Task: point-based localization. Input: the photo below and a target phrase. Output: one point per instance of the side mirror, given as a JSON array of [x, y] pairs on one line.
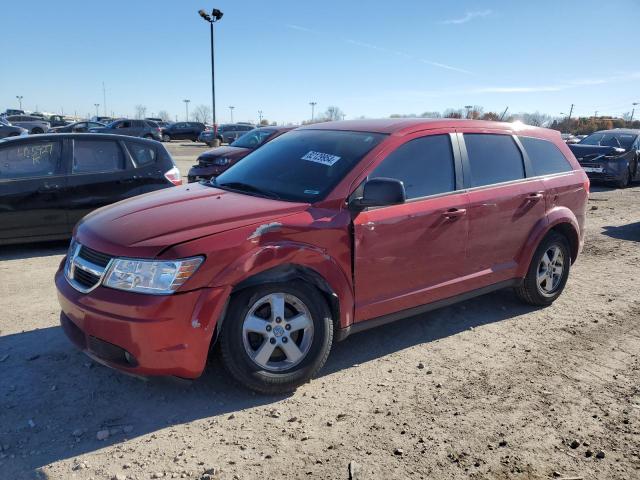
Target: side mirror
[[380, 192]]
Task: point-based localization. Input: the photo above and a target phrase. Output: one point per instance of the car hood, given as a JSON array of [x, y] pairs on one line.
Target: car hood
[[590, 152], [229, 152], [146, 225]]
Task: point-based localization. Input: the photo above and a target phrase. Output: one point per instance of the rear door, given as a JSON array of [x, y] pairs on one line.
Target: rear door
[[504, 205], [414, 253], [32, 188], [100, 174]]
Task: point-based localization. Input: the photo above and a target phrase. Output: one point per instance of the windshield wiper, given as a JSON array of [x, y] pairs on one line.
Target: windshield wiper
[[245, 188]]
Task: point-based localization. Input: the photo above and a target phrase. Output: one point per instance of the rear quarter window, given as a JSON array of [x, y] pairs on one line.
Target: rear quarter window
[[545, 157], [143, 155], [493, 158], [93, 156]]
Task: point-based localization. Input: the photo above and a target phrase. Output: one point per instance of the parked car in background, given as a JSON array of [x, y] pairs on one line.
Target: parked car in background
[[32, 124], [58, 121], [132, 128], [215, 161], [610, 156], [13, 111], [182, 131], [225, 133], [569, 138], [99, 119], [49, 182], [328, 230], [77, 127], [8, 130]]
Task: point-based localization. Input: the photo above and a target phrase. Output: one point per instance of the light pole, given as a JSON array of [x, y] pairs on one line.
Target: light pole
[[260, 116], [186, 105], [215, 16], [313, 106], [633, 110], [231, 107], [20, 97], [96, 105]]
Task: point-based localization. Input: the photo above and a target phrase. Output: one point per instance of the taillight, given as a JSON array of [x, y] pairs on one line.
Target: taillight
[[174, 176], [587, 185]]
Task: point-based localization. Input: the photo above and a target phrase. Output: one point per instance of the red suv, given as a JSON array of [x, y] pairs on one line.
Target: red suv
[[325, 231]]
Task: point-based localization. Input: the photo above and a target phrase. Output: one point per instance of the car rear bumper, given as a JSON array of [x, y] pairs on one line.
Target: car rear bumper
[[197, 173], [142, 334]]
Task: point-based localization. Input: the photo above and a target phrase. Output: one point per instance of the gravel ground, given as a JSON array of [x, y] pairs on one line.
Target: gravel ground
[[486, 389]]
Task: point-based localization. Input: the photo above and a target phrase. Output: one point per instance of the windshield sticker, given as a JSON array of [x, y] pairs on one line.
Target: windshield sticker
[[312, 192], [322, 158]]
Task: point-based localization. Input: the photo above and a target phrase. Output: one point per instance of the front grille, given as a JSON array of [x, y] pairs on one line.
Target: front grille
[[84, 278], [94, 257], [86, 267]]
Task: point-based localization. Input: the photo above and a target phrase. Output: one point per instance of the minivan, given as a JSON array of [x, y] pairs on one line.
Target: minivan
[[325, 231], [49, 182]]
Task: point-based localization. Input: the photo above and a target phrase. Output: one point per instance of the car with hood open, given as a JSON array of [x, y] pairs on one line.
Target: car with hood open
[[610, 156], [215, 161], [325, 231]]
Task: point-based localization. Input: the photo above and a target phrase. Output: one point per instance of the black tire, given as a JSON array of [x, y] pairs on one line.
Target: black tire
[[240, 365], [37, 131], [166, 137], [529, 291], [147, 136], [625, 181]]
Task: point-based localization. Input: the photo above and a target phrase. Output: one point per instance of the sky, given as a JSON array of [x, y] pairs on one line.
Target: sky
[[372, 59]]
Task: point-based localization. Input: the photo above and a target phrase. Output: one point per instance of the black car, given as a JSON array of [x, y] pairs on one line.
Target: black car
[[132, 128], [182, 131], [77, 127], [610, 156], [49, 182], [8, 130]]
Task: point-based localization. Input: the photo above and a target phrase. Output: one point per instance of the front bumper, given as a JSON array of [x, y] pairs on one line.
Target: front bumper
[[142, 334], [197, 172]]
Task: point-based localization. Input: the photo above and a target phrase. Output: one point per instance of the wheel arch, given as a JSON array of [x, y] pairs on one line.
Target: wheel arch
[[561, 220]]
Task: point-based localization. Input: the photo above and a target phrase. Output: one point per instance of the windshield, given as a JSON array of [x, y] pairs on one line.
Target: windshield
[[619, 140], [4, 122], [253, 139], [301, 165]]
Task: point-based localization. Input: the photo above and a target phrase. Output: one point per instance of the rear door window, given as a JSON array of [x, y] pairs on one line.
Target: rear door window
[[29, 160], [142, 154], [545, 157], [424, 165], [493, 159], [91, 156]]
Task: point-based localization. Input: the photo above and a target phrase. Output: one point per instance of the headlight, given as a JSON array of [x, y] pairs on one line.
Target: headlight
[[222, 161], [160, 277]]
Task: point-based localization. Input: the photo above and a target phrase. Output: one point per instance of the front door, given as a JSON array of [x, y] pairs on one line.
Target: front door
[[32, 184], [414, 253]]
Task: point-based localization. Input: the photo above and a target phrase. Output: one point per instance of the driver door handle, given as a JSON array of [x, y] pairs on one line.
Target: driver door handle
[[535, 196], [454, 213]]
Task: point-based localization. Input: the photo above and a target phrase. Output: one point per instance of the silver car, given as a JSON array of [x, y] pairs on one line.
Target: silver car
[[31, 123]]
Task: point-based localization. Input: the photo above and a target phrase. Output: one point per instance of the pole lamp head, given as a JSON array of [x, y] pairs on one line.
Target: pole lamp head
[[216, 14], [204, 15]]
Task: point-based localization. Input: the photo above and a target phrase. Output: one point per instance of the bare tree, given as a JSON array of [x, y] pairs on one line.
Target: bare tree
[[264, 122], [333, 113], [431, 115], [451, 113], [141, 111], [202, 113], [536, 119], [164, 115]]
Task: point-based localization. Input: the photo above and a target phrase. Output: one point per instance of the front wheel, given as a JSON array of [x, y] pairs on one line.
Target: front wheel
[[166, 138], [276, 337], [625, 181], [548, 272]]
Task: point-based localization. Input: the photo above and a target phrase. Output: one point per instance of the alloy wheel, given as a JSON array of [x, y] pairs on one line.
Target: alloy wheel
[[277, 332], [550, 270]]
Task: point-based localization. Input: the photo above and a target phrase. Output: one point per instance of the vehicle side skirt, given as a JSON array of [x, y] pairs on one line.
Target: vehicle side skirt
[[343, 333]]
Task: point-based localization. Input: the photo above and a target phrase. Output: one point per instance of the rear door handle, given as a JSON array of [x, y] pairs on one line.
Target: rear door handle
[[47, 187], [453, 213], [535, 196]]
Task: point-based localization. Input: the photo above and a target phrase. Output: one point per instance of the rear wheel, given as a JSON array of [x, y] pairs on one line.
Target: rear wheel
[[548, 272], [166, 138], [276, 337]]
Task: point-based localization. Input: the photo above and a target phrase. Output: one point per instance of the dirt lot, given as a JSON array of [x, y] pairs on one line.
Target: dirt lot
[[485, 389]]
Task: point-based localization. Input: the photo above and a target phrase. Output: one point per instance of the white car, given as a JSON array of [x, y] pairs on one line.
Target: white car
[[31, 123]]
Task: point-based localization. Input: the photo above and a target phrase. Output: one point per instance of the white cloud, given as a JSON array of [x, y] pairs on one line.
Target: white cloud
[[467, 17]]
